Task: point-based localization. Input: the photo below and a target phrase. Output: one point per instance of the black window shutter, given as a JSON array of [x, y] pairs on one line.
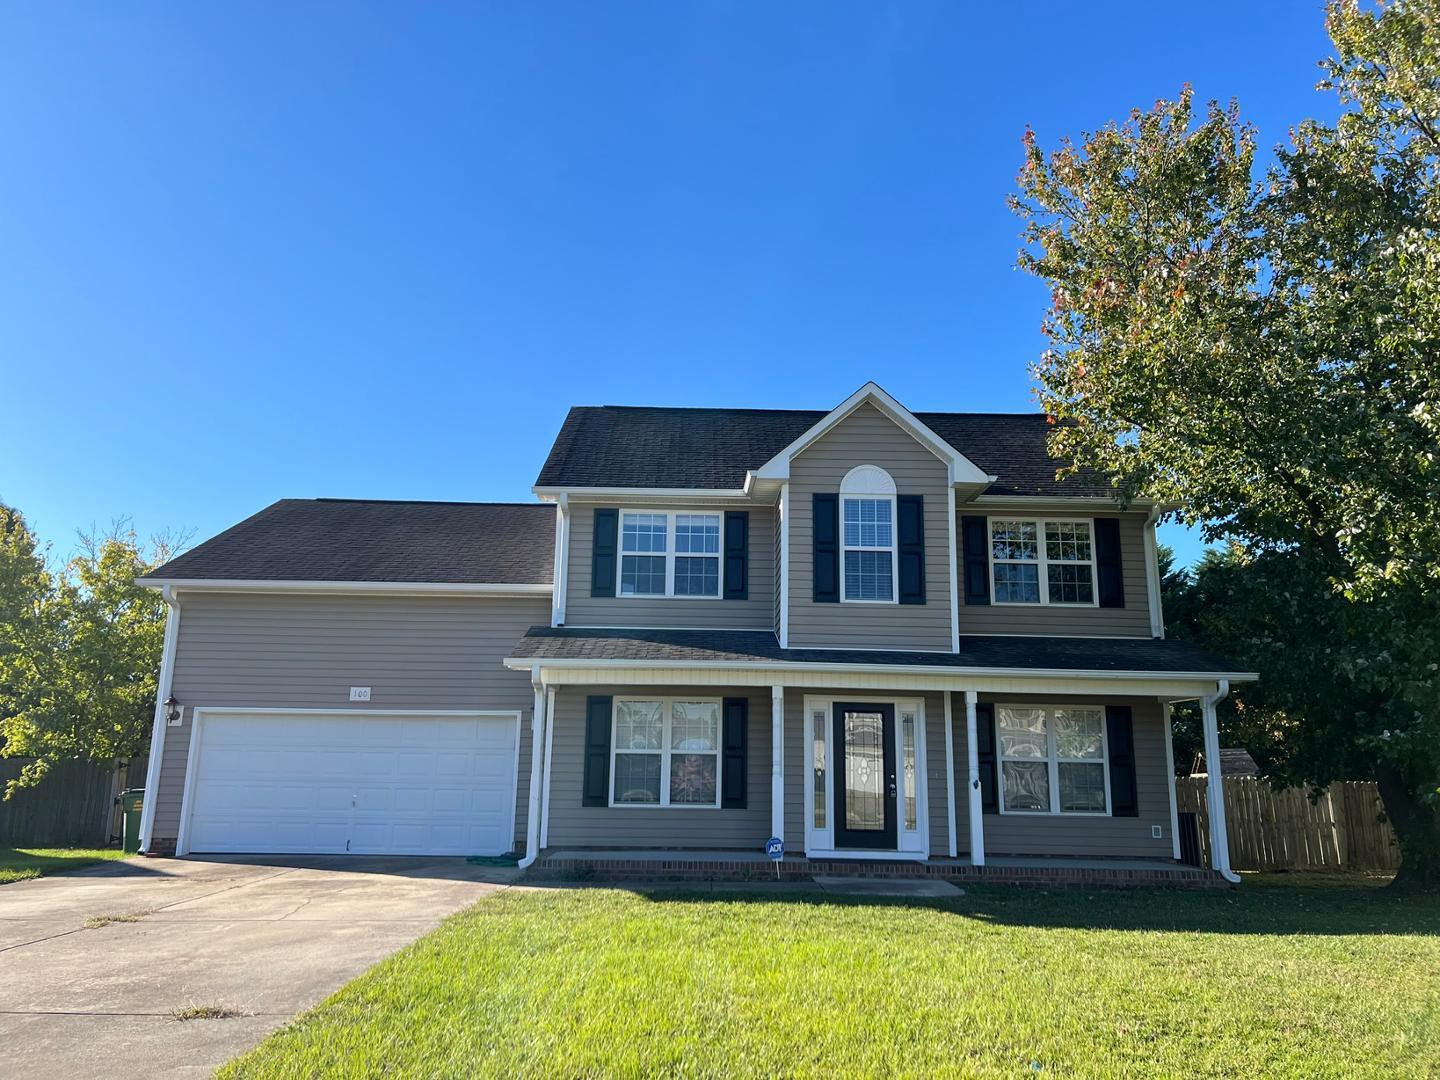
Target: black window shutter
[[1109, 580], [602, 552], [597, 750], [973, 545], [737, 717], [825, 545], [1120, 735], [910, 510], [985, 752], [737, 555]]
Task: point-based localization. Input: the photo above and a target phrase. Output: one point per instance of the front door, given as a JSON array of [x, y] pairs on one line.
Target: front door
[[865, 768]]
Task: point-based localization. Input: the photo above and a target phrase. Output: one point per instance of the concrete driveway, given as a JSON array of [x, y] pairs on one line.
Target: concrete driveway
[[263, 938]]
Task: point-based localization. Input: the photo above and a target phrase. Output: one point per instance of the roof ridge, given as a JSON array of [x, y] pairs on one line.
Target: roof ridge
[[797, 412], [422, 502]]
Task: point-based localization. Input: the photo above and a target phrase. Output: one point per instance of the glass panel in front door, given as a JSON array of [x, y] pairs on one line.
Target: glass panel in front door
[[864, 780]]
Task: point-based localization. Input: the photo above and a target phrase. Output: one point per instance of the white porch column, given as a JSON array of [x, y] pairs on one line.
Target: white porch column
[[950, 772], [1170, 773], [777, 761], [545, 775], [972, 753], [537, 754], [1214, 785]]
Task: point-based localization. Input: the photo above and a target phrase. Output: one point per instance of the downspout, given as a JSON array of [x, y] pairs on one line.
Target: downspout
[[157, 729], [560, 576], [1214, 784], [537, 743], [1152, 575]]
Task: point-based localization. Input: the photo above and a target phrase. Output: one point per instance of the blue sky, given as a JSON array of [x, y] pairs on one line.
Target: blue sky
[[264, 250]]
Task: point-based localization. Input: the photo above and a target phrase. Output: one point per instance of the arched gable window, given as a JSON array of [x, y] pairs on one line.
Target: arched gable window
[[867, 536]]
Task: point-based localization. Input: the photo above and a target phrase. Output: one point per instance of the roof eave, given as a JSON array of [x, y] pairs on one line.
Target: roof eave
[[519, 663], [394, 588], [549, 493]]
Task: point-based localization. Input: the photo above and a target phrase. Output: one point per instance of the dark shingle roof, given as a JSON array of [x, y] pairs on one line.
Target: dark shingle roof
[[625, 446], [378, 541], [757, 646]]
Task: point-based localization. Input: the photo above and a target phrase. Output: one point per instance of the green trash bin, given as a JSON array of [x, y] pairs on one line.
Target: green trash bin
[[132, 801]]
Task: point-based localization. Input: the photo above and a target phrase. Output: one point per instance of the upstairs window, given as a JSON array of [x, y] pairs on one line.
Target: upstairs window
[[867, 526], [1042, 561], [669, 553]]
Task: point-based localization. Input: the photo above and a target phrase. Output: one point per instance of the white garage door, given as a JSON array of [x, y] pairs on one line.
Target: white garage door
[[362, 784]]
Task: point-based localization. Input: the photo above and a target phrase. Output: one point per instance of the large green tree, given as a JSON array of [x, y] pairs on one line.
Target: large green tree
[[79, 649], [1262, 349]]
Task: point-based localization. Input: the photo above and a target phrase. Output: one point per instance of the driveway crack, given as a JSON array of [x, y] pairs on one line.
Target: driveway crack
[[162, 907]]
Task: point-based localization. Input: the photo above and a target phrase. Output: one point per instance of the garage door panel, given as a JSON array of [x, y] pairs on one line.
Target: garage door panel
[[306, 783]]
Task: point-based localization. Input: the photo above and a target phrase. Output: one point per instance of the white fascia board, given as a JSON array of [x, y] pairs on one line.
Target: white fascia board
[[851, 680], [549, 493], [527, 663], [962, 470], [397, 588], [1034, 503]]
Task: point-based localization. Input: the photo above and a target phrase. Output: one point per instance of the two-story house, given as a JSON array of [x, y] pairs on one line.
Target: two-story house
[[871, 633]]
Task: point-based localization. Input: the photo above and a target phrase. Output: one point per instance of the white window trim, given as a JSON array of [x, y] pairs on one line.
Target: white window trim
[[1054, 761], [910, 843], [670, 555], [1043, 563], [894, 548], [665, 752]]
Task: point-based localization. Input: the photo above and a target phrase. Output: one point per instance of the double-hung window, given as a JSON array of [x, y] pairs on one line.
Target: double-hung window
[[665, 752], [669, 553], [1053, 760], [1042, 561], [869, 541]]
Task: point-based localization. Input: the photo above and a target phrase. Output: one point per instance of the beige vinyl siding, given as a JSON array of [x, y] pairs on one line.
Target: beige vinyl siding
[[1081, 835], [305, 652], [775, 576], [753, 613], [575, 825], [868, 437], [1133, 620]]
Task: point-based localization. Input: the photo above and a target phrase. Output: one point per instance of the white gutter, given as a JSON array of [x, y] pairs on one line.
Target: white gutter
[[526, 663], [537, 742], [1214, 785], [548, 493], [157, 729], [396, 588], [1072, 502]]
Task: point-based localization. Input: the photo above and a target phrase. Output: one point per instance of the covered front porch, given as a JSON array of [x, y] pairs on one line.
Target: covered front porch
[[653, 767]]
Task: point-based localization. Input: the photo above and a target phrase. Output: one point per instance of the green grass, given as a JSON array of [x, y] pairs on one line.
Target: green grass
[[21, 864], [1275, 980]]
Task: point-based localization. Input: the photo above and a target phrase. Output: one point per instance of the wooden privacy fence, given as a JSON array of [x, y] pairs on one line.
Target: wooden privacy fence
[[1284, 830], [74, 806]]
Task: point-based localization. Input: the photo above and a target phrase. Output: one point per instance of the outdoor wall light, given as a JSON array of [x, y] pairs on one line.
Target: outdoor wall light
[[172, 710]]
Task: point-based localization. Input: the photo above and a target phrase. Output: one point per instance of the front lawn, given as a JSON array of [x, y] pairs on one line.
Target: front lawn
[[19, 864], [1277, 980]]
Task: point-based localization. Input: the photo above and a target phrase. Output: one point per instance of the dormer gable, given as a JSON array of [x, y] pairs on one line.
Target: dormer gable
[[960, 469]]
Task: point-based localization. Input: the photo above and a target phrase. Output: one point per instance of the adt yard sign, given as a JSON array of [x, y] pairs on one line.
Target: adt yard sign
[[775, 848]]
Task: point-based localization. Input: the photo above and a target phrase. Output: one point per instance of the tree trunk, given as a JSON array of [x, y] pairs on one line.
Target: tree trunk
[[1412, 810]]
